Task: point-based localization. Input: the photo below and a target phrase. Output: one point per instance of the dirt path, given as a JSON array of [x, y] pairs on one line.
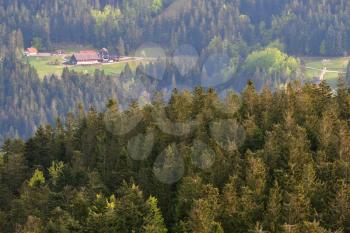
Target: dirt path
[[126, 60]]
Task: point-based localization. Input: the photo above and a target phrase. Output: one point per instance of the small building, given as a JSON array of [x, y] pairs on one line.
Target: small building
[[58, 52], [31, 51], [88, 57], [104, 55], [84, 58]]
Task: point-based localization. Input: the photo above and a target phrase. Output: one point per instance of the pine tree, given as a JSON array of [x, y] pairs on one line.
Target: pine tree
[[343, 97], [37, 179], [341, 207], [312, 227], [153, 220], [121, 47], [203, 216], [190, 189], [230, 205], [296, 206], [33, 225], [273, 212]]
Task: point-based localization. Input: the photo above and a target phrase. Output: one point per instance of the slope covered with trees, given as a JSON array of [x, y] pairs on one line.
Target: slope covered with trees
[[275, 162], [28, 102], [305, 27], [241, 30], [132, 154]]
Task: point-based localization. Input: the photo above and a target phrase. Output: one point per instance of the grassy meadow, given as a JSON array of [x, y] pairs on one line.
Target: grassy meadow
[[332, 64], [46, 66]]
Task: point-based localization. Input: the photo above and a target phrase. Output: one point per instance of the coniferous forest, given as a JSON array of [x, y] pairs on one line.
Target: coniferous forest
[[262, 162], [234, 139]]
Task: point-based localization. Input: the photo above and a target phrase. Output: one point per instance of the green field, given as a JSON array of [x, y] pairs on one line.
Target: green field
[[333, 64], [46, 66]]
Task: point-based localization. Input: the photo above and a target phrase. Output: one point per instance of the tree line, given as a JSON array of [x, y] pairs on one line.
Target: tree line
[[262, 161], [304, 27]]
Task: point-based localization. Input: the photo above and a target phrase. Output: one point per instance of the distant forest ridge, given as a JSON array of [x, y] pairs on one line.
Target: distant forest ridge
[[305, 27]]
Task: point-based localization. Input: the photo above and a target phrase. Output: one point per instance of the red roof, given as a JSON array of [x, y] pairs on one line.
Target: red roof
[[86, 56], [32, 50], [88, 51]]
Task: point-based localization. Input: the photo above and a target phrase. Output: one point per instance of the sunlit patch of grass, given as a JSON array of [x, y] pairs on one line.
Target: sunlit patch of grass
[[333, 64], [52, 65]]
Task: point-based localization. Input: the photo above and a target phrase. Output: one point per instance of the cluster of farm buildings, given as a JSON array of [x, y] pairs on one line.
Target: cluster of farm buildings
[[85, 57]]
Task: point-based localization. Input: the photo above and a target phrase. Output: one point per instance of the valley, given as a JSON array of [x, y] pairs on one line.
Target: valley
[[53, 64], [174, 116]]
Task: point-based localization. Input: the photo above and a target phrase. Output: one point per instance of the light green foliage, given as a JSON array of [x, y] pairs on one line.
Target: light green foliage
[[108, 13], [127, 213], [232, 50], [214, 42], [37, 179], [111, 203], [157, 5], [55, 170], [107, 23], [153, 221], [271, 61], [276, 44]]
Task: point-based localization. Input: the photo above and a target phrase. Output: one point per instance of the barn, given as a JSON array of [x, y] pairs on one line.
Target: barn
[[84, 58], [31, 51]]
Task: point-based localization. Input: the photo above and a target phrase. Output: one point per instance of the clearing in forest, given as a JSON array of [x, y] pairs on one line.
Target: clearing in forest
[[53, 65], [325, 68]]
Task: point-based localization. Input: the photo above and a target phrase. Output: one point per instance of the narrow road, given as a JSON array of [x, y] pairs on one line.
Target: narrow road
[[328, 71], [324, 71]]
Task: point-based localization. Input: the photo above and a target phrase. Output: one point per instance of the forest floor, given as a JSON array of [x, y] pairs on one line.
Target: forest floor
[[325, 68]]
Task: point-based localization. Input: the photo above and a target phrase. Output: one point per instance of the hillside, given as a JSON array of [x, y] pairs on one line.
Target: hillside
[[259, 162], [174, 116], [225, 32]]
